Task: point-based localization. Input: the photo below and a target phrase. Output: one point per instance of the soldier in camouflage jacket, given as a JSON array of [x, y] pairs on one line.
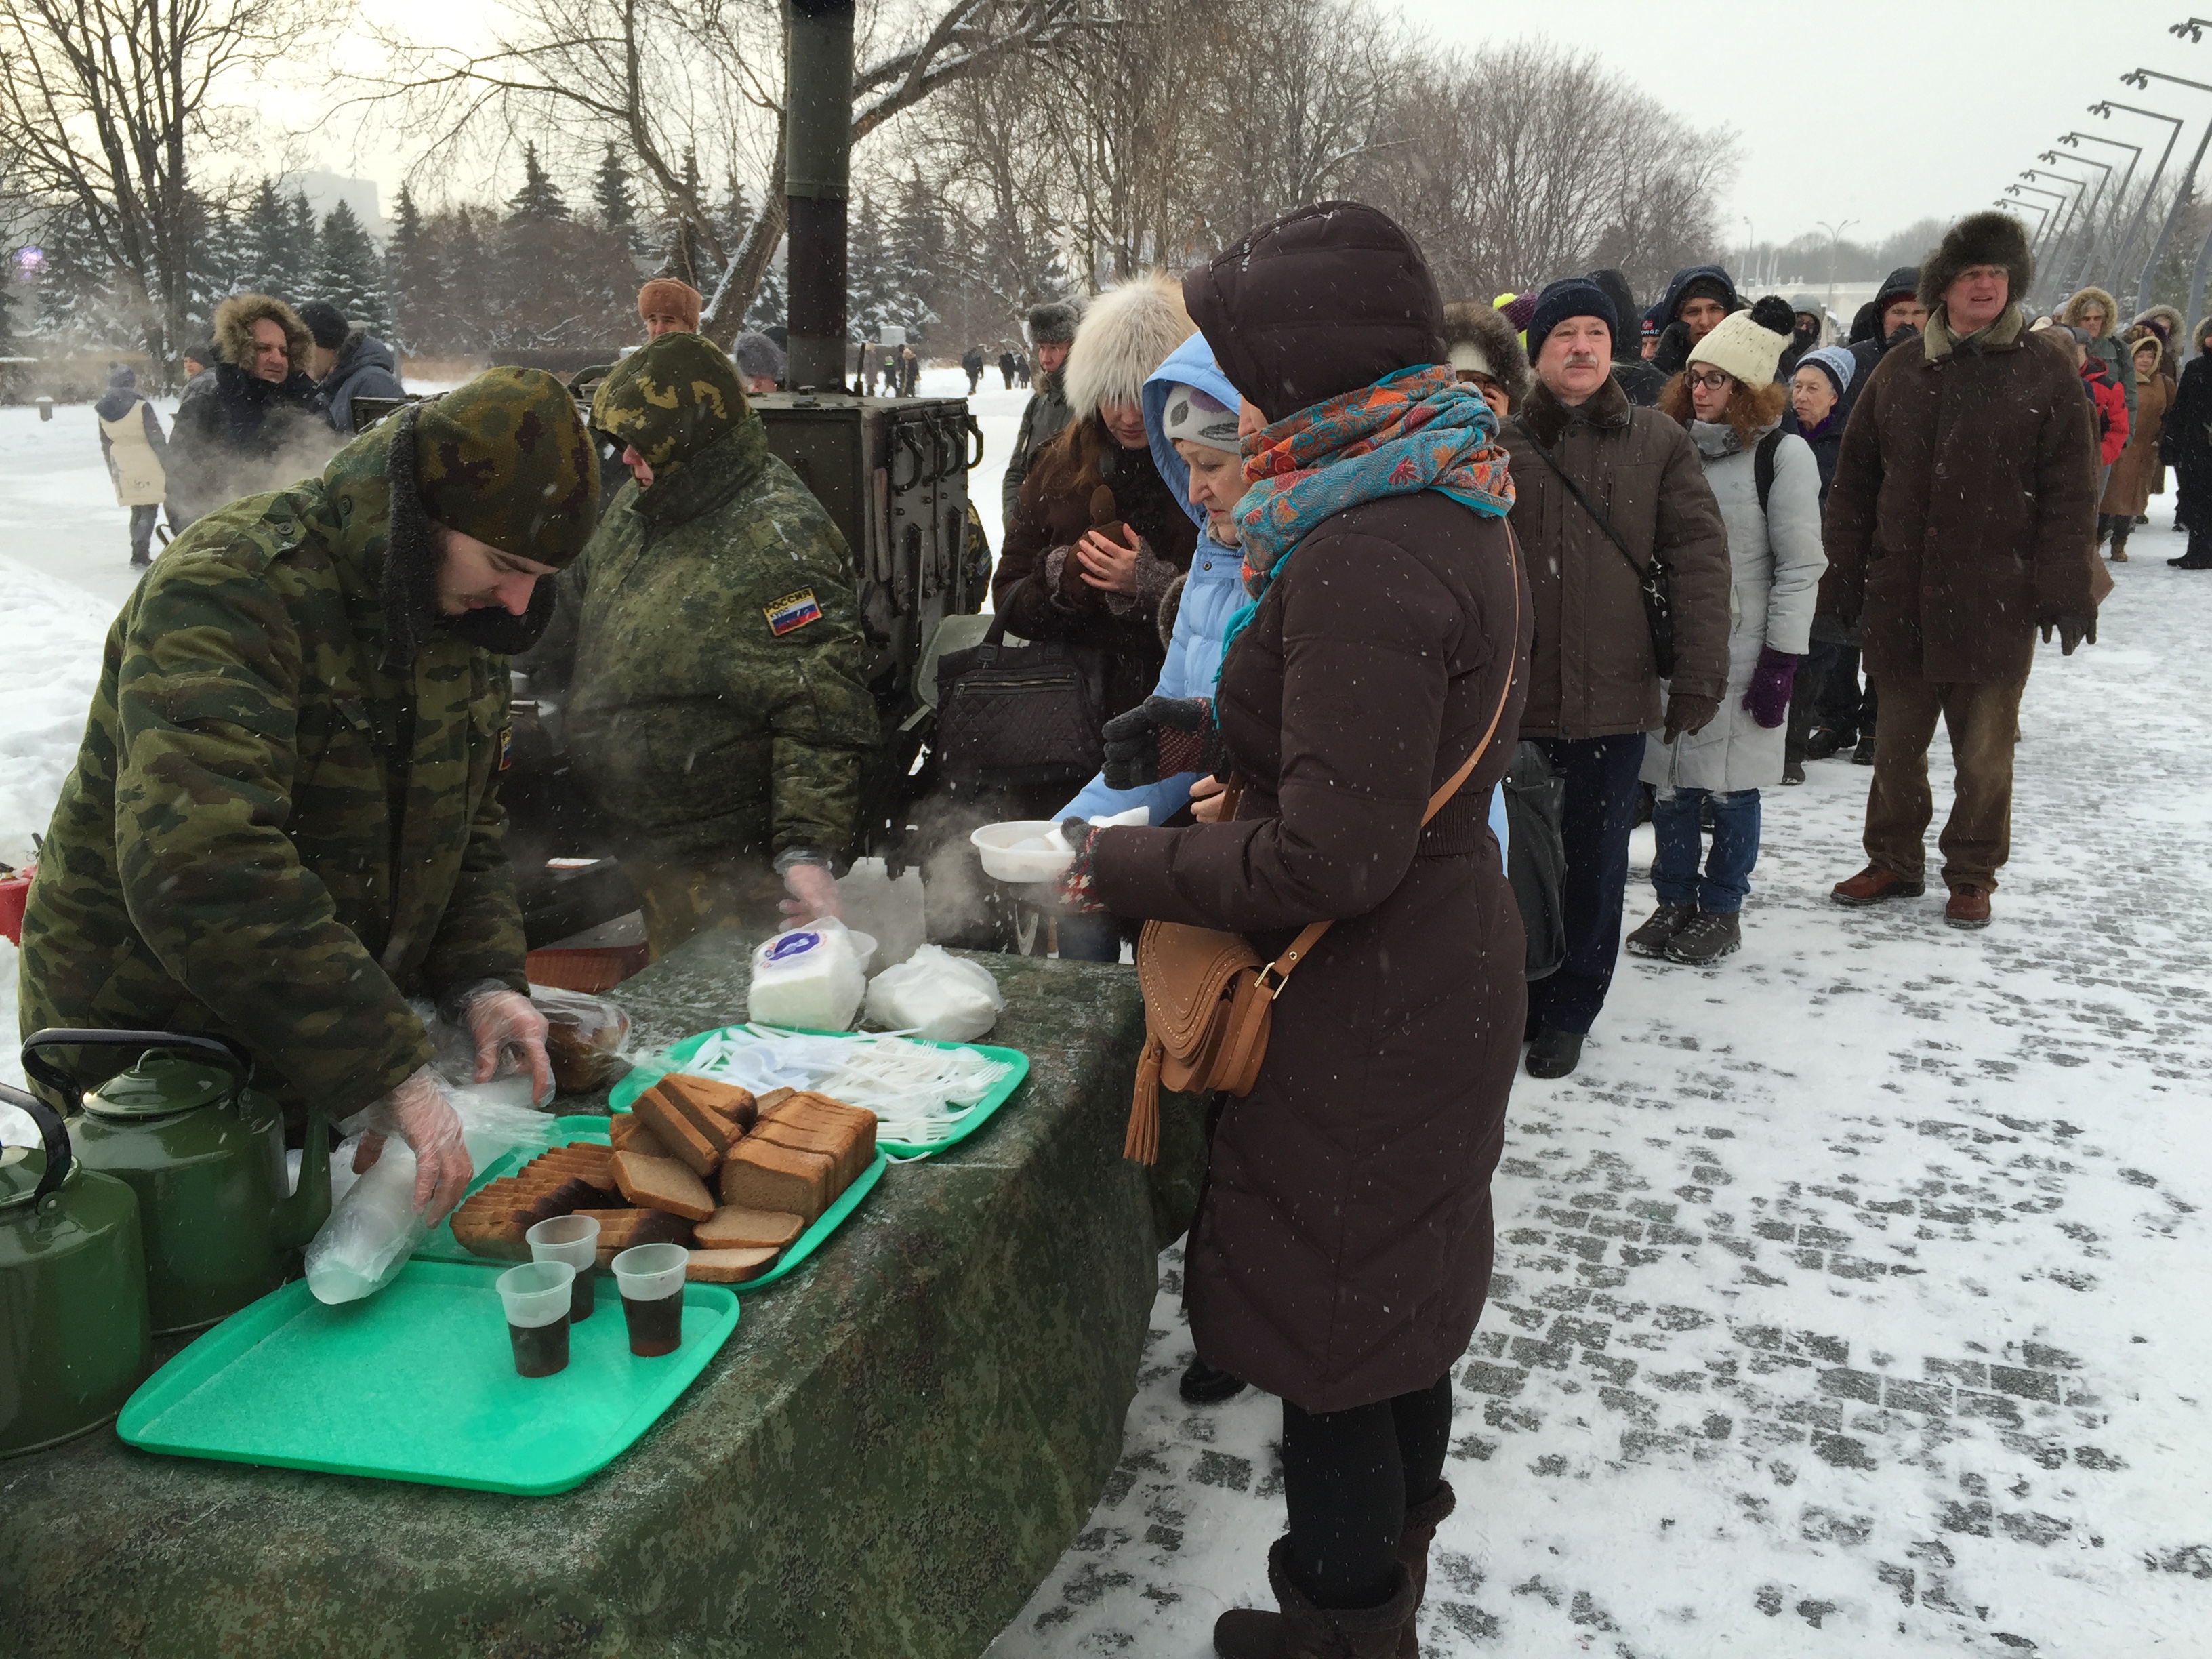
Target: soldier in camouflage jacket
[[709, 639], [283, 819]]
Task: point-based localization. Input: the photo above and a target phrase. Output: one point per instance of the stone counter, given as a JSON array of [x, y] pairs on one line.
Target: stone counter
[[891, 1453]]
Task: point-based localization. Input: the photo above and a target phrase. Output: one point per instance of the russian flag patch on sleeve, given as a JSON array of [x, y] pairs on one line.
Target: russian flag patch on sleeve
[[793, 611]]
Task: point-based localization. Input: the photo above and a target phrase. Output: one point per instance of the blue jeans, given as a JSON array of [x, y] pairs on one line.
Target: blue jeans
[[1727, 880]]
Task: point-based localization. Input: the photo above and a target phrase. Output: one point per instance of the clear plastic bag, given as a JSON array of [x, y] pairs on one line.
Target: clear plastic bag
[[812, 976], [584, 1037], [936, 994]]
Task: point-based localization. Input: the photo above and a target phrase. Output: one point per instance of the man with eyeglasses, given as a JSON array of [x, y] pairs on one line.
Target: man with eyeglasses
[[1603, 491], [1962, 517]]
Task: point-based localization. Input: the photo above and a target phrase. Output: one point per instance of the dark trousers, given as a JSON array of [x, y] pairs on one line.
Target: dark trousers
[[1984, 723], [1805, 694], [142, 532], [1600, 774], [1348, 1479], [1843, 705]]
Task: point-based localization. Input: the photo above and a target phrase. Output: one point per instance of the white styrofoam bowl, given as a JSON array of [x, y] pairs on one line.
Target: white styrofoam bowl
[[995, 842]]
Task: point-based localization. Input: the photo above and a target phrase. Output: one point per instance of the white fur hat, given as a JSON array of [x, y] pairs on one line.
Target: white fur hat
[[1738, 346], [1127, 333]]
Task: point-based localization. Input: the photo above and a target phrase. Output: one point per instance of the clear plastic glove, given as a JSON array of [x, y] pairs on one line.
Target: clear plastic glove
[[813, 895], [418, 1112], [501, 1022]]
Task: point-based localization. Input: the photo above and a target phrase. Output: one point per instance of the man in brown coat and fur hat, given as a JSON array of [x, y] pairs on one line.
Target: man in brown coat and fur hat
[[1963, 515], [255, 422]]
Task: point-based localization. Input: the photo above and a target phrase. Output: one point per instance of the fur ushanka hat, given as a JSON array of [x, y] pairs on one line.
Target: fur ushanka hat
[[1127, 333], [1479, 339], [1989, 238], [1052, 322]]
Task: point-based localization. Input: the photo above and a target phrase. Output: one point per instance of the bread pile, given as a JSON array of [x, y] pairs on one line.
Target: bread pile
[[776, 1164]]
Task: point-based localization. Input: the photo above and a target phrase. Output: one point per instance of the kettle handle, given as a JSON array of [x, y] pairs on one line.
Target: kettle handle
[[51, 1131], [222, 1050]]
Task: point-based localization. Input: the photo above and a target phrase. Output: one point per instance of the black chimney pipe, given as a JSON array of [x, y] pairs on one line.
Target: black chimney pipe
[[818, 173]]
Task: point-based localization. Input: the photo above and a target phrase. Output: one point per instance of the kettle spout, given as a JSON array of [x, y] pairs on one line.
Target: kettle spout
[[299, 1217]]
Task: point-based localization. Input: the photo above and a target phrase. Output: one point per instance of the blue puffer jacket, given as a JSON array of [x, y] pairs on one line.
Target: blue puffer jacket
[[1212, 594]]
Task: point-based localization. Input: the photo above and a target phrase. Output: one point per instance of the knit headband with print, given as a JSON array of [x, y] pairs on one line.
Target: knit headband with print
[[1198, 417]]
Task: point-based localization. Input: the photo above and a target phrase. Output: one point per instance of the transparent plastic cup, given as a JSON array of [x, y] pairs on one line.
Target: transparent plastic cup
[[536, 1296], [651, 1280], [574, 1239]]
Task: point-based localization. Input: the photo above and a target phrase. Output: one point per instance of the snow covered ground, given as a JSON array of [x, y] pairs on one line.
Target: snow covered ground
[[1845, 1295], [1849, 1298]]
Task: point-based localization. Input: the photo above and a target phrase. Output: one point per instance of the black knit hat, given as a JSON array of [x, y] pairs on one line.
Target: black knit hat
[[325, 322], [1570, 296]]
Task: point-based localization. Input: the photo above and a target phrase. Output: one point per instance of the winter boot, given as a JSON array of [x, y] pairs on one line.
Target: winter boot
[[1554, 1054], [1969, 906], [1661, 926], [1421, 1522], [2120, 542], [1873, 884], [1864, 755], [2193, 561], [1204, 1385], [1304, 1630], [1793, 771], [1824, 741], [1709, 936]]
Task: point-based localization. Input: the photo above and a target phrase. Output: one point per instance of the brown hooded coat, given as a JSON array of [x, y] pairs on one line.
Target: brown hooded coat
[[1342, 1248]]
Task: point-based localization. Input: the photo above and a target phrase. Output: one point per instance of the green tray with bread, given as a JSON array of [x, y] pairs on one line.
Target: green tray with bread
[[417, 1383], [441, 1244], [678, 1055]]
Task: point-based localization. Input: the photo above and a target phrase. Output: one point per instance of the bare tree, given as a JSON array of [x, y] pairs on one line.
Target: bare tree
[[662, 78], [103, 104]]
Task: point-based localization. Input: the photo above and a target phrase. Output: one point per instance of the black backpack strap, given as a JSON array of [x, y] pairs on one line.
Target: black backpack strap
[[1762, 465]]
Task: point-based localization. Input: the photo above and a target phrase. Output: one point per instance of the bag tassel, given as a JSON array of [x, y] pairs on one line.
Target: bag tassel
[[1143, 1141]]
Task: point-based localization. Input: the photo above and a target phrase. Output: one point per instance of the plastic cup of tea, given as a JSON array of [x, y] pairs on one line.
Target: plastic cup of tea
[[574, 1239], [537, 1296], [651, 1280]]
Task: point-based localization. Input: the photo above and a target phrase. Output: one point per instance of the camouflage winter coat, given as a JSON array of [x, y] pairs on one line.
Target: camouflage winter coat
[[266, 834], [711, 643]]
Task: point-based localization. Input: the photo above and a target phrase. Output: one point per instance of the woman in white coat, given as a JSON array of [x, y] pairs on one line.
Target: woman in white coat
[[1768, 486]]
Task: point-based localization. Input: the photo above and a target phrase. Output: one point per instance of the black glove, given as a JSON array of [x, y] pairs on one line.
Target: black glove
[[1160, 738], [2074, 629], [1688, 714]]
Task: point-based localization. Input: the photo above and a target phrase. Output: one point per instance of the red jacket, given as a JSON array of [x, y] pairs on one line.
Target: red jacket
[[2111, 404]]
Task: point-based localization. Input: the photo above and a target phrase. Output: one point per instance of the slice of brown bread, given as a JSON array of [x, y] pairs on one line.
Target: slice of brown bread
[[731, 1228], [672, 1127], [838, 1144], [762, 1175], [726, 1101], [662, 1183], [720, 1133], [774, 1098], [627, 1133], [620, 1228], [855, 1126], [728, 1266]]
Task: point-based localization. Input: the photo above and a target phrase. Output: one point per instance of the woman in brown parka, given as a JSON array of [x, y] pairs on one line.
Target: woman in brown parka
[[2128, 490], [1342, 1247]]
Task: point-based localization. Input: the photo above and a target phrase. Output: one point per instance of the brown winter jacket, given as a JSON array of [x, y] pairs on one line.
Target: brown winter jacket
[[1964, 508], [2128, 490], [1592, 675], [1342, 1250], [1038, 587]]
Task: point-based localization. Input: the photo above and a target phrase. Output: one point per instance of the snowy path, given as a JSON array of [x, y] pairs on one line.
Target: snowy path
[[1849, 1297]]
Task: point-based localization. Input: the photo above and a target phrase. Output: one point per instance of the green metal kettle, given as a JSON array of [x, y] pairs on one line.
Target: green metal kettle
[[205, 1154], [75, 1339]]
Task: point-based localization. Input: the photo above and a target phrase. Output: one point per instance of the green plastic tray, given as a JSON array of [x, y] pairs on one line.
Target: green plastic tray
[[641, 1077], [440, 1245], [417, 1383]]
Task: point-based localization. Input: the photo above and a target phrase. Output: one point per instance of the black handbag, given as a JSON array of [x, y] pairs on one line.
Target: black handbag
[[1009, 717], [1536, 863], [1655, 579]]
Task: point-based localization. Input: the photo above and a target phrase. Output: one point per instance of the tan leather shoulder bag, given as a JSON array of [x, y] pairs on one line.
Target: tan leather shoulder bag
[[1209, 1003]]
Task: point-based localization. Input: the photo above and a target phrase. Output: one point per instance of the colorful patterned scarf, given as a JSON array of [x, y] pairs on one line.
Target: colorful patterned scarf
[[1420, 428]]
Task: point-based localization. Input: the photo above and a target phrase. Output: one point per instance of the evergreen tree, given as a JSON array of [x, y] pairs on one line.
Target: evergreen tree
[[864, 310], [276, 244], [611, 194], [686, 259], [539, 198], [75, 300], [211, 267], [406, 277], [346, 271], [299, 246], [915, 255]]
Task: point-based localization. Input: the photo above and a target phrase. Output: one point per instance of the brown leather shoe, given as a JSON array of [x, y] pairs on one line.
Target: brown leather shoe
[[1873, 884], [1969, 907]]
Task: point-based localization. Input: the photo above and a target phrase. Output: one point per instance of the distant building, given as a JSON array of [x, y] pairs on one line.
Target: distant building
[[325, 191]]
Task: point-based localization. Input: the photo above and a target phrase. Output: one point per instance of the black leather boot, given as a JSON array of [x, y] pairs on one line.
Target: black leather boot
[[1305, 1630], [1421, 1522]]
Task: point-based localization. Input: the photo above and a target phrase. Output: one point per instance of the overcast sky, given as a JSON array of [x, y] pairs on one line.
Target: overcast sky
[[1876, 116]]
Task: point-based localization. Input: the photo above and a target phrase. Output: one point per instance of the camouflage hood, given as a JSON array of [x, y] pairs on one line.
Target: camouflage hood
[[671, 400]]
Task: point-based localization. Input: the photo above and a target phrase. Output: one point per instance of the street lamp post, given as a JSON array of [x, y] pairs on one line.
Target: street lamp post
[[2077, 273], [2065, 225], [2143, 78], [1835, 236], [2104, 109], [2075, 139]]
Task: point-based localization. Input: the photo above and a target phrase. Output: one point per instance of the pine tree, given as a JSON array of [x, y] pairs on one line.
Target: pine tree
[[276, 244], [347, 271], [406, 280], [865, 311], [539, 198], [299, 250], [686, 260], [211, 267], [915, 257], [610, 195], [75, 300]]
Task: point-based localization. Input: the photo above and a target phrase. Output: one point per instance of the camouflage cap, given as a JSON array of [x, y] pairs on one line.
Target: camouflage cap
[[506, 458], [671, 400]]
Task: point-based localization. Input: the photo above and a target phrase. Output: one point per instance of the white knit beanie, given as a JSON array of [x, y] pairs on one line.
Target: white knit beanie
[[1738, 346]]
